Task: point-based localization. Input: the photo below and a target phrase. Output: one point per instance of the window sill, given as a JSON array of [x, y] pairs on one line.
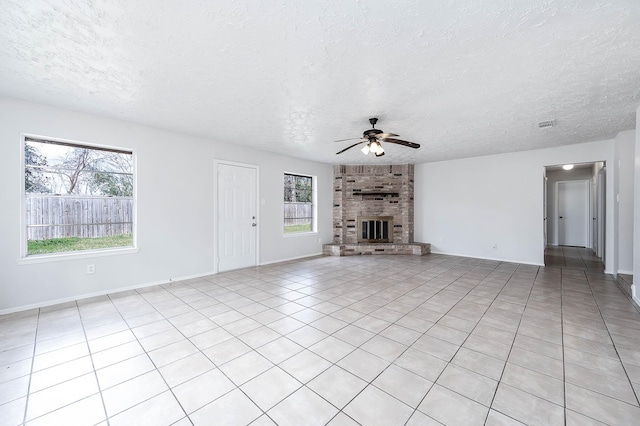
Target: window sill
[[300, 234], [58, 257]]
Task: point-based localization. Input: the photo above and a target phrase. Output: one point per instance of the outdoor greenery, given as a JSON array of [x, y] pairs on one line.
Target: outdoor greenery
[[292, 229], [61, 245], [76, 170], [34, 179], [298, 189]]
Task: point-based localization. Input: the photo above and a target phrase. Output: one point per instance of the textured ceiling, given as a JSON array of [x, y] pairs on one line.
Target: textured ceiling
[[461, 77]]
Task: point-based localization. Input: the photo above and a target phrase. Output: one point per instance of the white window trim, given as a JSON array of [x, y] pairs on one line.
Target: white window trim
[[25, 259], [314, 198]]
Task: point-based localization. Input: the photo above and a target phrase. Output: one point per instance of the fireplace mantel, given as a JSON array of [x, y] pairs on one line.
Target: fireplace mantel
[[375, 193]]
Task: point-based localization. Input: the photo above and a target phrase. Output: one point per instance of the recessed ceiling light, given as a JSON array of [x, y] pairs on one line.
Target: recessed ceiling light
[[568, 166]]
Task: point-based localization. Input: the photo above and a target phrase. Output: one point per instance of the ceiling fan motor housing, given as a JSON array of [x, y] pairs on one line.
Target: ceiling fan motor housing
[[371, 133]]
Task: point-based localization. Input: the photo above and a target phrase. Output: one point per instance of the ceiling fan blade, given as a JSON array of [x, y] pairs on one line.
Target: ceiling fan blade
[[350, 146], [386, 135], [401, 142], [350, 139]]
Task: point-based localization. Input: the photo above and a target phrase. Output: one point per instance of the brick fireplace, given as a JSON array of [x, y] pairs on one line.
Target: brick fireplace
[[373, 211]]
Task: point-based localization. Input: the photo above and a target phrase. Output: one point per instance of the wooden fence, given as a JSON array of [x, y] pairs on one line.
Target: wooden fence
[[298, 213], [86, 217]]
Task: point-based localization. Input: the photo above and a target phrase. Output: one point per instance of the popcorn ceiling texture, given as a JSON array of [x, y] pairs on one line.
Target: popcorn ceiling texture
[[463, 78]]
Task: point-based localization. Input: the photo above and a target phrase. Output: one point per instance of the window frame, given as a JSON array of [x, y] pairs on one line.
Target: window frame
[[24, 257], [314, 206]]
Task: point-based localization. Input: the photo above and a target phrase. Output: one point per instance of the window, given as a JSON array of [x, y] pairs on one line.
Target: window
[[299, 206], [76, 197]]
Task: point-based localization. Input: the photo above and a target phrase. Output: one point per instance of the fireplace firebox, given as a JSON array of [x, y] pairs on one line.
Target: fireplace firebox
[[375, 229]]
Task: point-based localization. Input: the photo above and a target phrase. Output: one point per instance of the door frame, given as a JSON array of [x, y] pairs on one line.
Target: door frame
[[216, 227], [587, 211], [601, 201]]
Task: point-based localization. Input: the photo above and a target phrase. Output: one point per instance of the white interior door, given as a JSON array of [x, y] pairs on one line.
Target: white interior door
[[237, 216], [573, 213]]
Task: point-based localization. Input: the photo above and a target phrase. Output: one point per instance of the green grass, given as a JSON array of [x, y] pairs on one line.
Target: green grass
[[62, 245], [292, 229]]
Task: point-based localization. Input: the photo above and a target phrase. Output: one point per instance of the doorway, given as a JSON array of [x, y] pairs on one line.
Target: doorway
[[573, 213], [237, 221], [577, 193]]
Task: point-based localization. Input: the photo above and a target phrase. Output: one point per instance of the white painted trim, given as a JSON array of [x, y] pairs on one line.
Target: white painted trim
[[99, 293], [623, 271], [85, 254], [314, 197], [24, 259], [489, 258], [216, 163], [291, 258], [299, 234]]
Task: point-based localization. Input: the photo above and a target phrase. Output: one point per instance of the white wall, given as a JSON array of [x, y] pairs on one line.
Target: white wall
[[554, 176], [175, 196], [475, 203], [624, 155]]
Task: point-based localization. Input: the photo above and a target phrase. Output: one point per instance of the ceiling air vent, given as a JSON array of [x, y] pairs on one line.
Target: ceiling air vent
[[546, 124]]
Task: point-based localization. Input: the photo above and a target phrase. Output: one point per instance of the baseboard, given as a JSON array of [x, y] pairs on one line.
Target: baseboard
[[625, 272], [290, 259], [98, 293], [523, 262]]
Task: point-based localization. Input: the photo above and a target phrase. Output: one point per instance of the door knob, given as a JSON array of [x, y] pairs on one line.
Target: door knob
[[561, 217], [254, 224]]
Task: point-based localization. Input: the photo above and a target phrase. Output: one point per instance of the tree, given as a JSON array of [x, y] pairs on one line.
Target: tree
[[35, 180], [76, 161], [96, 172], [112, 185], [297, 189], [116, 179]]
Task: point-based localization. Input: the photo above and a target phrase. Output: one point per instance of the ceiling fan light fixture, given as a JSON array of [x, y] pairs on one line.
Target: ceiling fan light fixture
[[372, 139], [376, 148]]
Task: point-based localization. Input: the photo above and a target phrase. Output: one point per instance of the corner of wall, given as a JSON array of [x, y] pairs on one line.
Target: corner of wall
[[636, 207]]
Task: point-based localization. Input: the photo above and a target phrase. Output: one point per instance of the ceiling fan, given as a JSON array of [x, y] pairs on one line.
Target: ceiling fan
[[373, 137]]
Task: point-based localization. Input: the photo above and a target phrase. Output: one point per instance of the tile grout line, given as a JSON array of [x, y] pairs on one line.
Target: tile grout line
[[95, 372], [615, 347], [564, 369], [33, 359], [381, 288], [512, 343], [469, 334]]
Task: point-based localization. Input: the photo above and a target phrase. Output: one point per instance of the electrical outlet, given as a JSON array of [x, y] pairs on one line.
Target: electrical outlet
[[442, 239], [91, 269], [495, 246]]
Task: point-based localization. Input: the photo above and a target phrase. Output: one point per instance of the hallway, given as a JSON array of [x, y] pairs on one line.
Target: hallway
[[572, 258]]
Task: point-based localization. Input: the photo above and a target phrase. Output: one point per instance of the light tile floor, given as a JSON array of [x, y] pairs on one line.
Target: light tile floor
[[371, 340], [572, 257]]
